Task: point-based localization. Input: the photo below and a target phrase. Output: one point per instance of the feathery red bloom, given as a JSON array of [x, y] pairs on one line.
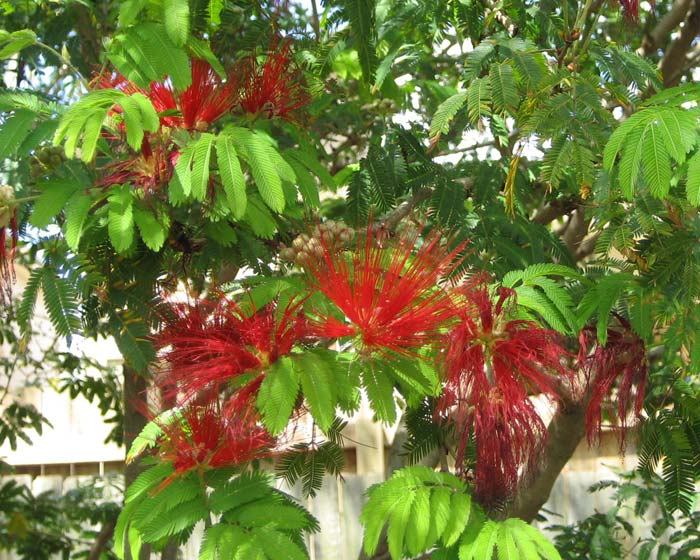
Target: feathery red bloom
[[212, 342], [492, 364], [8, 227], [622, 358], [201, 438], [204, 102], [273, 88], [389, 295]]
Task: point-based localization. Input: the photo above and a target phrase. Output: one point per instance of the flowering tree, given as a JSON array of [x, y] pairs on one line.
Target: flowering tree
[[467, 211]]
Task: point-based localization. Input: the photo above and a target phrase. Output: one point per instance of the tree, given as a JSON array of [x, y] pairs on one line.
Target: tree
[[529, 230]]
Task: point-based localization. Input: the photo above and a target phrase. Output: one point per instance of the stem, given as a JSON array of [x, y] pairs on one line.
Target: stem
[[315, 20], [66, 62]]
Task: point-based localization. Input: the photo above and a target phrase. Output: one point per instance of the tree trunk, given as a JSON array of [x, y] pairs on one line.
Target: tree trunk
[[134, 421], [565, 432]]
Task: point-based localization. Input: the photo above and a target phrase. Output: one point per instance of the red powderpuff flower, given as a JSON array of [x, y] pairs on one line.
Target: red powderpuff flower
[[273, 88], [623, 358], [198, 438], [492, 364], [388, 293], [8, 228], [204, 102], [213, 342], [515, 434]]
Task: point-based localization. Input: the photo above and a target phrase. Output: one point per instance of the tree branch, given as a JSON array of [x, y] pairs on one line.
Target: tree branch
[[659, 36], [102, 539], [565, 432], [674, 59]]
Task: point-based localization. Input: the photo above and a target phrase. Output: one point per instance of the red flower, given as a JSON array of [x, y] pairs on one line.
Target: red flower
[[201, 438], [8, 219], [204, 102], [389, 295], [274, 87], [492, 365], [213, 342], [622, 358]]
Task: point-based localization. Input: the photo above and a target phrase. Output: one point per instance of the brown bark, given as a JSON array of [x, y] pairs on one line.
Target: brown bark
[[658, 37], [565, 432], [674, 62], [101, 541], [134, 422]]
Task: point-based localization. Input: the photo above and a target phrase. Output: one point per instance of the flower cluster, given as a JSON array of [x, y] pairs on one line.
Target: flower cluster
[[492, 365], [272, 88], [390, 298]]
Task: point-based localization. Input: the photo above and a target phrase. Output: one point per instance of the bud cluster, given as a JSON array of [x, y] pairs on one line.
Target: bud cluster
[[46, 160], [310, 245], [7, 207]]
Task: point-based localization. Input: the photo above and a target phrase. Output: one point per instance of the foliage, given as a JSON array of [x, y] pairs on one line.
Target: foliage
[[613, 534], [46, 524], [451, 207]]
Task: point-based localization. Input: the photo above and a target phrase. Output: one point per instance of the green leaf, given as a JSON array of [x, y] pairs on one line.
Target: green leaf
[[29, 297], [361, 15], [14, 130], [183, 169], [176, 15], [419, 522], [399, 524], [152, 231], [504, 93], [52, 200], [200, 166], [692, 184], [173, 521], [380, 391], [318, 388], [259, 158], [120, 224], [61, 303], [278, 394], [657, 162], [131, 334], [478, 99], [77, 210], [507, 549], [486, 541], [231, 176], [460, 508], [15, 42], [444, 114]]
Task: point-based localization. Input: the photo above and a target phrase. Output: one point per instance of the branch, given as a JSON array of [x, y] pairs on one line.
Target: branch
[[659, 36], [674, 59], [391, 220], [102, 540]]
